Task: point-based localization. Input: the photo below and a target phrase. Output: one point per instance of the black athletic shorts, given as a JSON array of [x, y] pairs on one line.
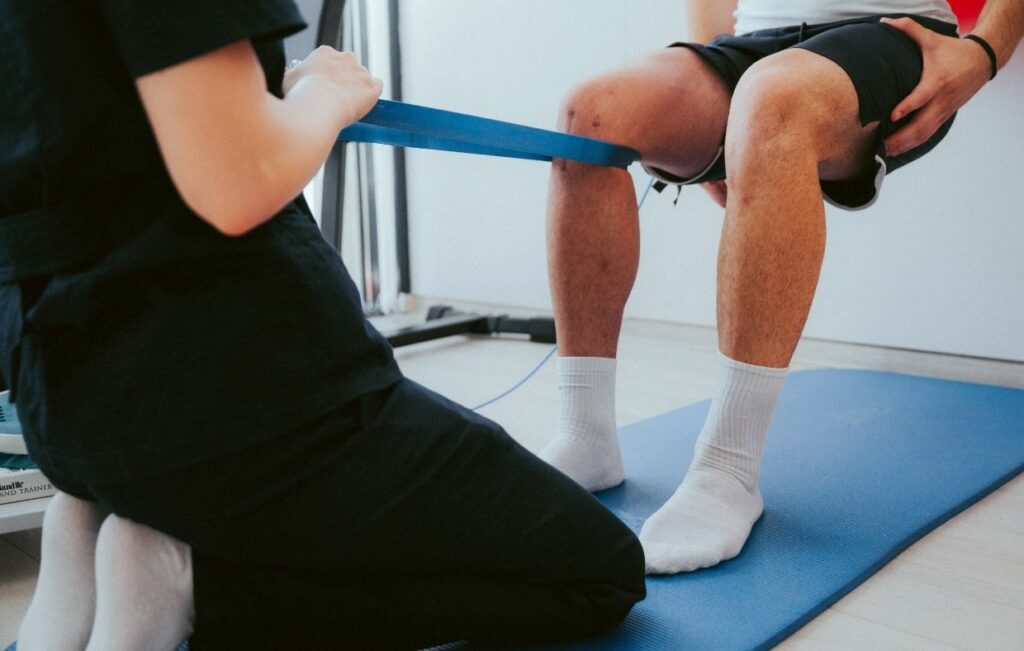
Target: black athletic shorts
[[883, 63]]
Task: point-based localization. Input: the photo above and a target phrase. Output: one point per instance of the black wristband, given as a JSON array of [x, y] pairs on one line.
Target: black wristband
[[988, 50]]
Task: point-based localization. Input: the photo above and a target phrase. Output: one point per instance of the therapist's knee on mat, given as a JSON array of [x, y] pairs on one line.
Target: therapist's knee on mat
[[613, 600]]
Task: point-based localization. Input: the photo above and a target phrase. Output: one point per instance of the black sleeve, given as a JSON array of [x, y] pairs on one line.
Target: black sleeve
[[155, 34]]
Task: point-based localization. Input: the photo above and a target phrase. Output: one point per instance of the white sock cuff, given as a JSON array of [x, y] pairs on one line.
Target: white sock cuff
[[733, 436], [735, 379], [586, 387], [586, 365], [751, 369]]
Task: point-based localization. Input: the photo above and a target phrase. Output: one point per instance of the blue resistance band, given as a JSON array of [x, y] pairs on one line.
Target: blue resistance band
[[409, 125]]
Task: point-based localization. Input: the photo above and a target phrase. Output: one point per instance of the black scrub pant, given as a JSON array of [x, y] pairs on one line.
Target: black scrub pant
[[402, 522]]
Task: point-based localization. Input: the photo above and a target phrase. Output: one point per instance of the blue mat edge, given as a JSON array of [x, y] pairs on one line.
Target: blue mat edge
[[803, 620]]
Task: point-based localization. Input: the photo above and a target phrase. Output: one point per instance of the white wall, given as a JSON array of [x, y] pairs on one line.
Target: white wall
[[935, 265]]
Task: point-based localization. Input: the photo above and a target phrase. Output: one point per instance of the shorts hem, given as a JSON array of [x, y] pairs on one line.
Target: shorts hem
[[877, 184]]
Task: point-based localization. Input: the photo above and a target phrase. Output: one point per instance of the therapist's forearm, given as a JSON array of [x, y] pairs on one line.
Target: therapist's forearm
[[236, 153], [294, 137]]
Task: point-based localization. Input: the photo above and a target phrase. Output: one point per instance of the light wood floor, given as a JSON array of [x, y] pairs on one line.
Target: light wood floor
[[961, 587]]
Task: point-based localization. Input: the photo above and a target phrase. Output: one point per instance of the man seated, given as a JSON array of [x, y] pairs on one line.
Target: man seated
[[810, 100]]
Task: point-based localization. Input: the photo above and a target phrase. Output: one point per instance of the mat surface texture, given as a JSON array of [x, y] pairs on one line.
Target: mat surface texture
[[858, 466]]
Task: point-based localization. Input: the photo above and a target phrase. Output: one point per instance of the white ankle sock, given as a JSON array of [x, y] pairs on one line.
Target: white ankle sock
[[61, 614], [709, 517], [586, 447], [144, 589]]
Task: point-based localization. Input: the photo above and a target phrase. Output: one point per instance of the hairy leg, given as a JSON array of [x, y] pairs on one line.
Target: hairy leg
[[794, 119], [773, 240], [672, 107]]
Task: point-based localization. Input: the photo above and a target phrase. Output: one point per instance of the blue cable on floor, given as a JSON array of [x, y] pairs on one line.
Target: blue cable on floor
[[551, 352], [520, 382]]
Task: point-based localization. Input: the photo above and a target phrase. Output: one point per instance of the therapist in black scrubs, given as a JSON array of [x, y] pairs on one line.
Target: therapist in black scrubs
[[188, 354]]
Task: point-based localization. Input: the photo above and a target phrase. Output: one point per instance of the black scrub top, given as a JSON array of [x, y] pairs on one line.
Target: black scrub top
[[137, 338]]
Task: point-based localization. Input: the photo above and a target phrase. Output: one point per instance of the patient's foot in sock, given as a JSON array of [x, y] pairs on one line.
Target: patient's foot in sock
[[706, 521], [587, 445], [594, 464], [144, 589]]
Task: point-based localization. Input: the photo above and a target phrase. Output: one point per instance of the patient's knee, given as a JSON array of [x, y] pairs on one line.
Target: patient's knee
[[595, 108], [590, 108], [776, 113]]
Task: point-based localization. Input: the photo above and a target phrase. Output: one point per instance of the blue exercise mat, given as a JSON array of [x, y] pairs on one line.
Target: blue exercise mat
[[408, 125], [858, 466]]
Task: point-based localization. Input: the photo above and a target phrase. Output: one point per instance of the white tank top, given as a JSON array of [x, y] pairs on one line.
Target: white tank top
[[752, 15]]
